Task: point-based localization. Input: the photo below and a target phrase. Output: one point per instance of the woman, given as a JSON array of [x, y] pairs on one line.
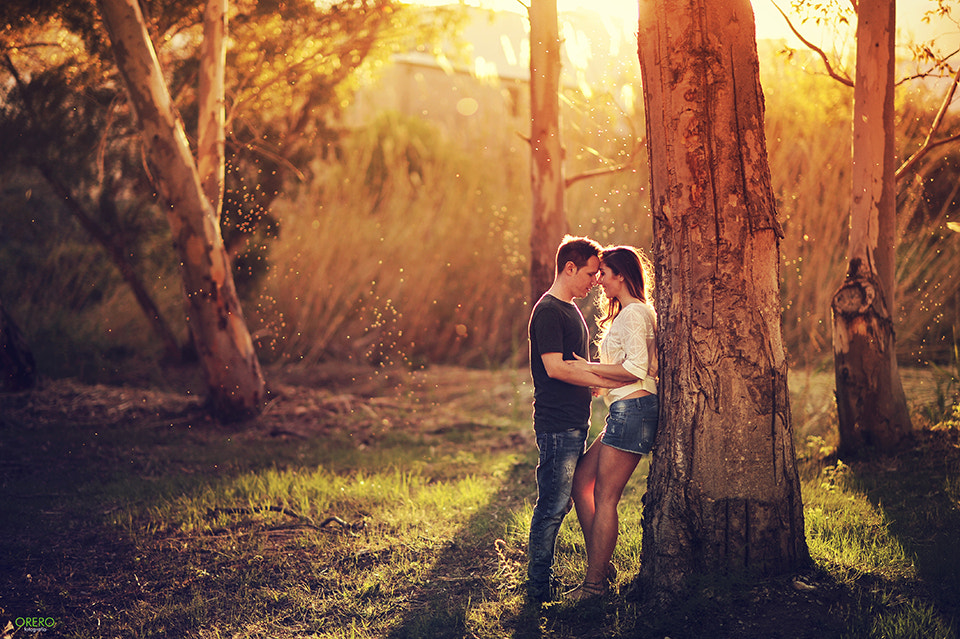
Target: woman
[[628, 354]]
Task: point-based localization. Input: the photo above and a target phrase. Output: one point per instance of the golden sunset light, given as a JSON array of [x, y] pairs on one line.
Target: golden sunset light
[[770, 23], [391, 319]]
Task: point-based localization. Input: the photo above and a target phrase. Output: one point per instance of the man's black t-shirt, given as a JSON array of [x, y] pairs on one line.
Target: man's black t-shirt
[[557, 327]]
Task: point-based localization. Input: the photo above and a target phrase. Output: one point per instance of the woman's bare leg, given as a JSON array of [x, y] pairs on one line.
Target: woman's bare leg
[[584, 481], [613, 470]]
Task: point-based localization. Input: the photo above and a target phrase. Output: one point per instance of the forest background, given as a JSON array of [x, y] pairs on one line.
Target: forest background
[[402, 237], [386, 228]]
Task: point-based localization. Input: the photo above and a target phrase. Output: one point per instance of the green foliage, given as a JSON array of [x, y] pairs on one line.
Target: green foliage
[[81, 318], [293, 67]]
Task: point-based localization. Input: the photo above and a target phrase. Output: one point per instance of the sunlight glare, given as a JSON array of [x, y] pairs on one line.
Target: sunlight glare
[[770, 24]]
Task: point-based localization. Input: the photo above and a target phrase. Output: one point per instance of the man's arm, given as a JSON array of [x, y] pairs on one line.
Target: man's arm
[[564, 371], [614, 372]]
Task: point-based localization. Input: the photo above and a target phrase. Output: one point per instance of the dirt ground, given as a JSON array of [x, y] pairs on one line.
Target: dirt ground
[[304, 402]]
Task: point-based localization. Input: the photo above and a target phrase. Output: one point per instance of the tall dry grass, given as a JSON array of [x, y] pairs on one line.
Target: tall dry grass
[[928, 257], [414, 247], [408, 249], [809, 140], [808, 143], [411, 246]]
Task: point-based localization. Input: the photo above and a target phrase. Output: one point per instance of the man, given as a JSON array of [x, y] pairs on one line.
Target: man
[[561, 401]]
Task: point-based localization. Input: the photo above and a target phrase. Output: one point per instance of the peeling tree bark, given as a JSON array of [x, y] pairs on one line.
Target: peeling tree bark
[[232, 370], [211, 138], [871, 404], [723, 493], [546, 152]]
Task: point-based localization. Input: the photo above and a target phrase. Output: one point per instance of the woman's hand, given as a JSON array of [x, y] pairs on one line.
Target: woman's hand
[[615, 374], [578, 363]]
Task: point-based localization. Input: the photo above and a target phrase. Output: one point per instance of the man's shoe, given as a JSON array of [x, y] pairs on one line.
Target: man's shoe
[[542, 593]]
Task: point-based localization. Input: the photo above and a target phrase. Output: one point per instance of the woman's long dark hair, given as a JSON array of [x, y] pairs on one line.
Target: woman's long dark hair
[[635, 269]]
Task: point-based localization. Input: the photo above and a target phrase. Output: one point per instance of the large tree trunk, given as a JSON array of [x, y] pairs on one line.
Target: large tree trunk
[[871, 404], [723, 493], [223, 342], [546, 146]]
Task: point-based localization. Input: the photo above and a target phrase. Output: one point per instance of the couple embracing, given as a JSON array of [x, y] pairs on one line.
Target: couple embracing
[[568, 472]]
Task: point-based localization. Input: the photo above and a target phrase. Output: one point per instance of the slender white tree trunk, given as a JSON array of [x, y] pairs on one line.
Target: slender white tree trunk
[[210, 121], [232, 370], [871, 404]]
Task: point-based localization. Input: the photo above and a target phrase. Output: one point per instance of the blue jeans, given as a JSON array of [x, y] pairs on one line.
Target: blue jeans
[[559, 453]]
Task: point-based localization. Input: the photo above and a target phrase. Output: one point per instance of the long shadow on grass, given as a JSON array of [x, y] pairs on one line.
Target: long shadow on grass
[[471, 568], [911, 489], [478, 568]]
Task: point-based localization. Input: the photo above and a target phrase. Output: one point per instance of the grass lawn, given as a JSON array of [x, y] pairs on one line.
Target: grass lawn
[[397, 505]]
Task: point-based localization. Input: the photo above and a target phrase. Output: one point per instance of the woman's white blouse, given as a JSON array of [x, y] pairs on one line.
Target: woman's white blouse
[[631, 342]]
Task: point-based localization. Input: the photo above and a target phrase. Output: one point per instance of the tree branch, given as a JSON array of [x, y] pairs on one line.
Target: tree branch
[[928, 145], [942, 62], [605, 170], [823, 56]]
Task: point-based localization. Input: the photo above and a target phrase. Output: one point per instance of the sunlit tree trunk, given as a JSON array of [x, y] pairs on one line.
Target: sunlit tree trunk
[[871, 404], [230, 364], [210, 133], [723, 493], [546, 146]]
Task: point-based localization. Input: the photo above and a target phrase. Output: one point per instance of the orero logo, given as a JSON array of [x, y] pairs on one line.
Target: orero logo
[[35, 624]]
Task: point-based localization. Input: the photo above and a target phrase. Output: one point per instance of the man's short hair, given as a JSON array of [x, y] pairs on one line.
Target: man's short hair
[[578, 250]]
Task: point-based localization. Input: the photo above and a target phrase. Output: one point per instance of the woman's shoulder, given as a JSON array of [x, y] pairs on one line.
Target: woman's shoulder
[[639, 309], [637, 313]]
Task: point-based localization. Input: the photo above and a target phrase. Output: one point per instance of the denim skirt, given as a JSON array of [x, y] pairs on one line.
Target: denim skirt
[[632, 424]]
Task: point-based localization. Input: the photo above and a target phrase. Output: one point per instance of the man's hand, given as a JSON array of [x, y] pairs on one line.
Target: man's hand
[[615, 374], [580, 364], [576, 373]]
